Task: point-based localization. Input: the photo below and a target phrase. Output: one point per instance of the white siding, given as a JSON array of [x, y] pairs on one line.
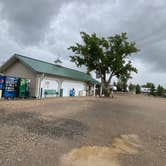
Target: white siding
[[68, 85]]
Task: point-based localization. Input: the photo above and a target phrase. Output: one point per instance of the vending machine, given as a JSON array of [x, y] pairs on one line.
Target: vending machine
[[1, 85], [10, 85], [22, 87]]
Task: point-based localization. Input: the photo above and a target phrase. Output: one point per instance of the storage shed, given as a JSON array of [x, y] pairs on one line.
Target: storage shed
[[47, 79]]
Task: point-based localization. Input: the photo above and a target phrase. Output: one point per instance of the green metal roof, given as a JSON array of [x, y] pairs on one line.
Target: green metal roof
[[49, 68]]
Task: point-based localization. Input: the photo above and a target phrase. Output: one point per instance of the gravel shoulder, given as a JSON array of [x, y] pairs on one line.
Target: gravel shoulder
[[42, 132]]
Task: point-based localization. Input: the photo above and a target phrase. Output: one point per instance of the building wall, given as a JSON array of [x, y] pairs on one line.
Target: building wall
[[57, 83], [19, 70], [39, 81], [49, 84], [68, 85]]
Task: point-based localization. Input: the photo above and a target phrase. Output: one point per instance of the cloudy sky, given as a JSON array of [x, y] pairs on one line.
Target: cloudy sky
[[44, 29]]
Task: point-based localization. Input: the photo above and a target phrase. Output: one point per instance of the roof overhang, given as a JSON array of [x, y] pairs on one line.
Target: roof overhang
[[9, 62]]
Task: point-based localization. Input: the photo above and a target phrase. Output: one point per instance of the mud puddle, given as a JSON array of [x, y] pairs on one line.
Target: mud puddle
[[102, 155]]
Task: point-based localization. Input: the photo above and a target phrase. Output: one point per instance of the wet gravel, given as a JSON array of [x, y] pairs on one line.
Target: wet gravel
[[31, 122]]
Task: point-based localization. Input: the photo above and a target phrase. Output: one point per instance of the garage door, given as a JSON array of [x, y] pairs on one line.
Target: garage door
[[68, 85], [50, 86]]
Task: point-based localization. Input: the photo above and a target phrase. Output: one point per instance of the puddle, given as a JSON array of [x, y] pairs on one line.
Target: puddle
[[102, 155]]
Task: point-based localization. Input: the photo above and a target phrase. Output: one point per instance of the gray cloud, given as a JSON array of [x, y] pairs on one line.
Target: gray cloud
[[47, 28], [28, 20]]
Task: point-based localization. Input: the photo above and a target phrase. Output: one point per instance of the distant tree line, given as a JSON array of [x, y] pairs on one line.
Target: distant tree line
[[151, 88]]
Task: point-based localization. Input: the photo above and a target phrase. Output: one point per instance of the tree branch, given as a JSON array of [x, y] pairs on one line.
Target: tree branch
[[112, 74]]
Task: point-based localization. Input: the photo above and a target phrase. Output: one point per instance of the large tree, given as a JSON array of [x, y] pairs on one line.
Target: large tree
[[108, 57]]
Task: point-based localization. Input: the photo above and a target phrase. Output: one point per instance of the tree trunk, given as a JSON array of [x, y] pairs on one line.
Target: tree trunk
[[106, 89], [106, 85]]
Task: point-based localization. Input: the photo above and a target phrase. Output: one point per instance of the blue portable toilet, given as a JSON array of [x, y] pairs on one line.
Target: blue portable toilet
[[10, 87]]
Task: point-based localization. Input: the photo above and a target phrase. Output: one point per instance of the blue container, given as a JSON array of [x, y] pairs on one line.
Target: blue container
[[10, 87], [72, 92]]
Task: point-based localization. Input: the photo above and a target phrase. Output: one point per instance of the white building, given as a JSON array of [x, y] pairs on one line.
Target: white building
[[145, 90], [47, 79]]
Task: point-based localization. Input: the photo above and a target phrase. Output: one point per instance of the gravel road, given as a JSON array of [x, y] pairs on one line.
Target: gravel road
[[128, 130]]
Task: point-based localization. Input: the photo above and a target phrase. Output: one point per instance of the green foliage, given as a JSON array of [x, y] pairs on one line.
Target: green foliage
[[152, 89], [138, 89], [122, 84], [148, 85], [119, 86], [160, 90], [132, 87], [107, 57]]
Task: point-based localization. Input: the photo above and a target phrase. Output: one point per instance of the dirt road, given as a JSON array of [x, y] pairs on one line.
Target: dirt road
[[128, 130]]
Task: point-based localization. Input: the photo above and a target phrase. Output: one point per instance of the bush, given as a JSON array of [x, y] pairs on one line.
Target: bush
[[160, 91], [132, 87], [152, 89], [138, 89]]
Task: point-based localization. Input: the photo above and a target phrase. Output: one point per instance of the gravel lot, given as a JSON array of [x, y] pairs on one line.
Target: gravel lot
[[128, 130]]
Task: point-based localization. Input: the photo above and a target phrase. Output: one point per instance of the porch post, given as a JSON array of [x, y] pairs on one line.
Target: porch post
[[101, 90], [59, 86], [94, 91]]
